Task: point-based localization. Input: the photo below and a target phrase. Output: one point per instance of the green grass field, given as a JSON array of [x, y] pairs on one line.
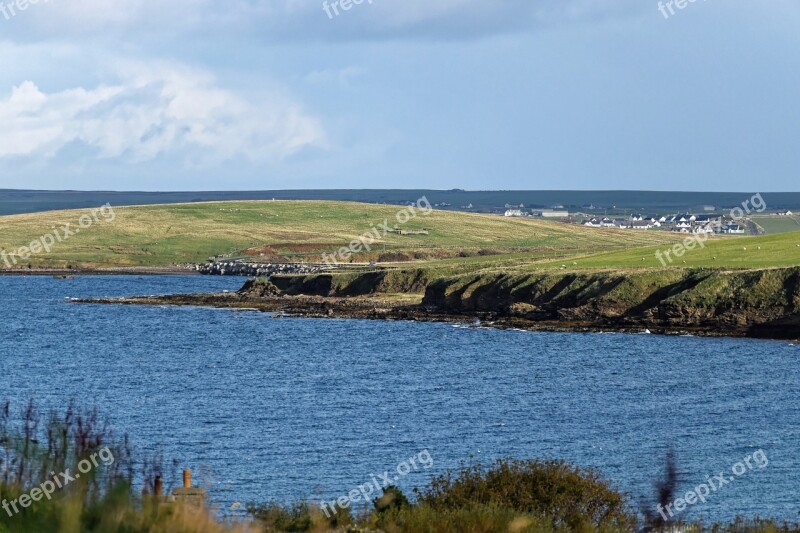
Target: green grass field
[[147, 236], [164, 235], [765, 251], [774, 224]]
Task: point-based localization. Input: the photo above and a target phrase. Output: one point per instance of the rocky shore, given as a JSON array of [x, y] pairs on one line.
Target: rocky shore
[[759, 304]]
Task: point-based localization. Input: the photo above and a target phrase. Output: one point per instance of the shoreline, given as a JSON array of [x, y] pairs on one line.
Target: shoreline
[[112, 271], [376, 308]]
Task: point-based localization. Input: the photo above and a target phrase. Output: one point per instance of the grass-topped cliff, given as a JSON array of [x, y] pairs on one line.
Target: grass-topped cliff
[[763, 303], [758, 303]]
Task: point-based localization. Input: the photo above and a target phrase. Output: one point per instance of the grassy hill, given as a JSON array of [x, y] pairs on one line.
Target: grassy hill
[[163, 235]]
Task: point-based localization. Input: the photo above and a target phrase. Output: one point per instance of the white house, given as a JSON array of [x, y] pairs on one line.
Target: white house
[[514, 213], [733, 229], [607, 223], [706, 228], [594, 223], [554, 214]]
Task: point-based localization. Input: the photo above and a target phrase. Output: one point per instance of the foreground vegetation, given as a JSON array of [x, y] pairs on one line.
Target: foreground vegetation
[[507, 496]]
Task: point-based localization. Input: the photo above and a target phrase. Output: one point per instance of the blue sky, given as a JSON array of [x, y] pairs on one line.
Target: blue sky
[[491, 94]]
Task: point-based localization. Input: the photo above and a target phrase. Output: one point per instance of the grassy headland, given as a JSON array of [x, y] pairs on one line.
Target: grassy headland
[[526, 271]]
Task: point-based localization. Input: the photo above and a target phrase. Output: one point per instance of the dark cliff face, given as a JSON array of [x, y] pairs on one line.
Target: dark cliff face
[[757, 303], [354, 284], [760, 303]]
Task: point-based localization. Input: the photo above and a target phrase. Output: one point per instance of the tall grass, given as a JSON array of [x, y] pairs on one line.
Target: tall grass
[[36, 448]]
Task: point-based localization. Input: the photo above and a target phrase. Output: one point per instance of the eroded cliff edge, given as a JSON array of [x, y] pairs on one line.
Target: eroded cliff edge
[[757, 303]]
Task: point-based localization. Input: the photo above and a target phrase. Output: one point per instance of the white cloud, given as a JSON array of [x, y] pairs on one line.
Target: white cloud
[[154, 110]]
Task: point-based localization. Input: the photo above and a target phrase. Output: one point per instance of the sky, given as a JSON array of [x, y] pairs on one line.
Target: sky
[[436, 94]]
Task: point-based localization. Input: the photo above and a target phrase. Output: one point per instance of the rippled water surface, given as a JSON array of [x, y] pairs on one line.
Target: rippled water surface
[[278, 408]]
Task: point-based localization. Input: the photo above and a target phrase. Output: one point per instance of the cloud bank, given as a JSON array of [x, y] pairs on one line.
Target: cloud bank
[[155, 110]]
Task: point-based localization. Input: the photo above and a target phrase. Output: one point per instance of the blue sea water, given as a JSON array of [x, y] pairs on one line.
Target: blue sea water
[[268, 408]]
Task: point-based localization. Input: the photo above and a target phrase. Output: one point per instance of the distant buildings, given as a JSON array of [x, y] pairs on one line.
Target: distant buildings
[[552, 213], [682, 223], [515, 213]]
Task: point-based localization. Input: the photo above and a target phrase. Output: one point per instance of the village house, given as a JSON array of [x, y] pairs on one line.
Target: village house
[[704, 228], [549, 213], [733, 229], [514, 213], [708, 219], [607, 223]]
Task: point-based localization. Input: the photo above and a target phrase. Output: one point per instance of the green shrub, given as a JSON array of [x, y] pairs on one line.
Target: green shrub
[[566, 495]]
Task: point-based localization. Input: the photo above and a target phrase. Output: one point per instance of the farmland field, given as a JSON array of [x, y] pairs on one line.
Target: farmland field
[[164, 235], [302, 230], [776, 224]]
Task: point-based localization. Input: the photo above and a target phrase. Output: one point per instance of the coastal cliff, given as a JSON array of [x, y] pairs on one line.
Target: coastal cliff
[[758, 303], [762, 303], [753, 303]]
